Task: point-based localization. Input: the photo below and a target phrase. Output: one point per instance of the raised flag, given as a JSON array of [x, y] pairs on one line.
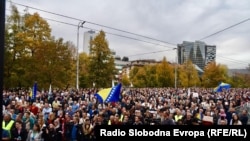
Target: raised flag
[[221, 87], [30, 91], [109, 94], [34, 91], [50, 90]]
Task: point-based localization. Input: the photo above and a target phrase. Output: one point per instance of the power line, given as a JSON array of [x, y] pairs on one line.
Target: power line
[[233, 59], [114, 34], [149, 52], [222, 31], [222, 57], [225, 29], [127, 31], [120, 30]]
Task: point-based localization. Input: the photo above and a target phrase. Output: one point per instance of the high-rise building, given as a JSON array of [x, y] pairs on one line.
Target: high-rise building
[[88, 36], [198, 52]]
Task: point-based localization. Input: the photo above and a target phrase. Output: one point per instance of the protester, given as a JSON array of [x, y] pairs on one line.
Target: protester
[[35, 134], [71, 115]]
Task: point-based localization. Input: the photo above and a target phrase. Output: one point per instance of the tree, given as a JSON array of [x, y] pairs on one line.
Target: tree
[[188, 75], [125, 80], [14, 50], [101, 65], [140, 78], [214, 74], [151, 79], [54, 58], [132, 74], [165, 74], [83, 71], [32, 54]]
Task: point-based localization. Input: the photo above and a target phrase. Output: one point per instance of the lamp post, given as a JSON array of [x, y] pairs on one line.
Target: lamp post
[[80, 24], [175, 69]]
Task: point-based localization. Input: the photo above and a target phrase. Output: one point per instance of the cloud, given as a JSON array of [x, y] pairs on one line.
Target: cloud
[[171, 21]]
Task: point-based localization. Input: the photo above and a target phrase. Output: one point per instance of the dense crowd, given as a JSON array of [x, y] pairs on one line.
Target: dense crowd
[[70, 115]]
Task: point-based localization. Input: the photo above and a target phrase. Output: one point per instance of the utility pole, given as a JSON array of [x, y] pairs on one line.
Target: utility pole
[[175, 70], [80, 24]]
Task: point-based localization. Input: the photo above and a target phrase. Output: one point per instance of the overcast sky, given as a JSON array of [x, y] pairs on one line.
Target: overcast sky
[[172, 21]]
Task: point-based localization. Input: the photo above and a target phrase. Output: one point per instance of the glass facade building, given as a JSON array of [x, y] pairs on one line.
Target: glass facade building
[[198, 52]]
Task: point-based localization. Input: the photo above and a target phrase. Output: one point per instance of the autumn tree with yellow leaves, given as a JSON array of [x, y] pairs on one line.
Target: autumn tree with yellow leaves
[[32, 54]]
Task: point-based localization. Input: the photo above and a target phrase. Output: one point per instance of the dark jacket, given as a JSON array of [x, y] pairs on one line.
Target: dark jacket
[[51, 135], [79, 131], [59, 133], [22, 136]]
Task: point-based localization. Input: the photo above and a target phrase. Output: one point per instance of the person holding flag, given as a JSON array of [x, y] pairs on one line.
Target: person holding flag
[[33, 93]]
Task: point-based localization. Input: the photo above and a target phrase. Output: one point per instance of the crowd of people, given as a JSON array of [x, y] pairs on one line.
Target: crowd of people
[[70, 115]]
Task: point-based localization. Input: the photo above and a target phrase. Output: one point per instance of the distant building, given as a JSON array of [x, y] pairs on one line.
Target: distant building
[[88, 36], [138, 63], [119, 64], [198, 52]]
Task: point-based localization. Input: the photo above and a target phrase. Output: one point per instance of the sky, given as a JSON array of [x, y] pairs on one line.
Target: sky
[[168, 22]]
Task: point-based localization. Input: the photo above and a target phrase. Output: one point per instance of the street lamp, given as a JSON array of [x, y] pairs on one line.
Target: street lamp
[[175, 69], [80, 24]]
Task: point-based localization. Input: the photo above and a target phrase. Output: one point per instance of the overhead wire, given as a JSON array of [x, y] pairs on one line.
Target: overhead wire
[[89, 22], [241, 22], [149, 52], [114, 34], [208, 36]]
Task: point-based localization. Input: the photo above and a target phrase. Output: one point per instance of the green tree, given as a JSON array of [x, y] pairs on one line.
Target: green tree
[[101, 63], [165, 74]]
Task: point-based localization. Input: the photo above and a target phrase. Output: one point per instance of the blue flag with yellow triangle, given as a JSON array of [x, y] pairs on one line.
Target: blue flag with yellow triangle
[[222, 86], [33, 92], [109, 94]]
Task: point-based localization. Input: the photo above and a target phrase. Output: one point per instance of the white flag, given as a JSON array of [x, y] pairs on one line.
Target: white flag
[[50, 90], [189, 91]]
